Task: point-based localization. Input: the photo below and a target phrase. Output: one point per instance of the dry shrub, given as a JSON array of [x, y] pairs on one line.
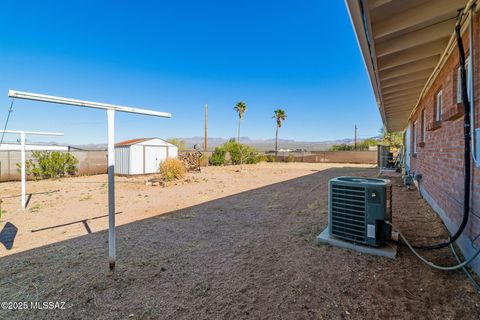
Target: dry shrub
[[172, 169]]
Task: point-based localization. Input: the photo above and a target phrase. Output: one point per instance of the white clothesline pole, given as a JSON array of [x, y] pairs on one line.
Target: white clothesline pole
[[31, 147], [83, 103], [22, 170], [111, 108], [33, 133], [23, 174], [111, 189]]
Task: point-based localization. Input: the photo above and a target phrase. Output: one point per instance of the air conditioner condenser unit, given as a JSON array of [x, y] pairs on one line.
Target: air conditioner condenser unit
[[358, 209]]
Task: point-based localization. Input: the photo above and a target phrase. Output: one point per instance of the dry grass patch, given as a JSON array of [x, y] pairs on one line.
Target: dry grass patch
[[172, 169]]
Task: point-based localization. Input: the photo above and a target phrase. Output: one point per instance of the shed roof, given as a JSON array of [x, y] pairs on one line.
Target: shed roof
[[133, 141]]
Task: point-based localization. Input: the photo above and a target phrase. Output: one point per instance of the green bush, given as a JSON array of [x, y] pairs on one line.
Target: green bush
[[254, 158], [270, 158], [263, 158], [362, 145], [242, 153], [365, 144], [54, 164], [341, 147], [239, 153], [234, 149], [218, 156], [178, 142], [290, 158]]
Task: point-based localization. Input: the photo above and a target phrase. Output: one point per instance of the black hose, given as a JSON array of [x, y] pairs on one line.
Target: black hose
[[467, 138]]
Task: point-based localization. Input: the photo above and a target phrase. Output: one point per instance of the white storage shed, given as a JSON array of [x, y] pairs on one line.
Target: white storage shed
[[142, 156]]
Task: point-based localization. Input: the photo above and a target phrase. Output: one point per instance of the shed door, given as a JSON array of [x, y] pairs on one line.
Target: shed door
[[153, 157]]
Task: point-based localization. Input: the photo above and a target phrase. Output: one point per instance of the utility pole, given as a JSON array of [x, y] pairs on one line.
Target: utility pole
[[355, 148], [205, 142]]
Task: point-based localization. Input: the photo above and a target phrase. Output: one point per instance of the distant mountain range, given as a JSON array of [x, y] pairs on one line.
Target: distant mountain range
[[268, 144], [259, 144]]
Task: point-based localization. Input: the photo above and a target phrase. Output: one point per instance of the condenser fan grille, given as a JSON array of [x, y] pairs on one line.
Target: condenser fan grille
[[348, 212]]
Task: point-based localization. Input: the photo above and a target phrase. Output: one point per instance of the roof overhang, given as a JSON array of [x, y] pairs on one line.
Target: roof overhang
[[403, 42]]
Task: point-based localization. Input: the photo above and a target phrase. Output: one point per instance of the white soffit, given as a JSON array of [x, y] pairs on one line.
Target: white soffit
[[402, 42]]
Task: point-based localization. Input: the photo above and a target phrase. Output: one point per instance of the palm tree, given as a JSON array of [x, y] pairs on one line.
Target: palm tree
[[240, 107], [280, 116]]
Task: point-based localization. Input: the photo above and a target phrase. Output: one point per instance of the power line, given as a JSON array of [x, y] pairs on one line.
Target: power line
[[6, 122]]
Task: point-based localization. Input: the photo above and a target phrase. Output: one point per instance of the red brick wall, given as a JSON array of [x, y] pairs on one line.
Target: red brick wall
[[440, 160]]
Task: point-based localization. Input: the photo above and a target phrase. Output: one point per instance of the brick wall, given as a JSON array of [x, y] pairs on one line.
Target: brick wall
[[440, 159]]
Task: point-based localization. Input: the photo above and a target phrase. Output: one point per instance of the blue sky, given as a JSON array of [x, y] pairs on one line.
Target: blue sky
[[176, 56]]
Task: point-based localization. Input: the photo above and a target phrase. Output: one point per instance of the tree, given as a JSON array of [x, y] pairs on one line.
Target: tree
[[392, 139], [341, 147], [280, 116], [240, 108], [178, 142], [241, 153], [366, 143]]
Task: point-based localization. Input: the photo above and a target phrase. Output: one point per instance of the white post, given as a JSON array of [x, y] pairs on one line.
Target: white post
[[22, 147], [22, 166], [111, 188]]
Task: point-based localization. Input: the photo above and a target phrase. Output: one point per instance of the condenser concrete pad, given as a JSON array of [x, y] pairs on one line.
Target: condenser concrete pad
[[388, 250]]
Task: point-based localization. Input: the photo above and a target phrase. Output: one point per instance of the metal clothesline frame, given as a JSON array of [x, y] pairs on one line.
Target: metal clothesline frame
[[111, 109], [23, 147]]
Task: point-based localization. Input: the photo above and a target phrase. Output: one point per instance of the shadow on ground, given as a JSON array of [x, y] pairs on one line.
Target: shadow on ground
[[246, 256], [7, 235]]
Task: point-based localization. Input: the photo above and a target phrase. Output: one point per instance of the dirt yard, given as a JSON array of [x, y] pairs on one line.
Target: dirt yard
[[234, 245]]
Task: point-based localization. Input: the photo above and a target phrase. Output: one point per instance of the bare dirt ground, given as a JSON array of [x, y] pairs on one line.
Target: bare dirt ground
[[70, 207], [234, 245]]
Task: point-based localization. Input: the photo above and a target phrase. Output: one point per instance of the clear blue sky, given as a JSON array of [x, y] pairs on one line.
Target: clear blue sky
[[176, 56]]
